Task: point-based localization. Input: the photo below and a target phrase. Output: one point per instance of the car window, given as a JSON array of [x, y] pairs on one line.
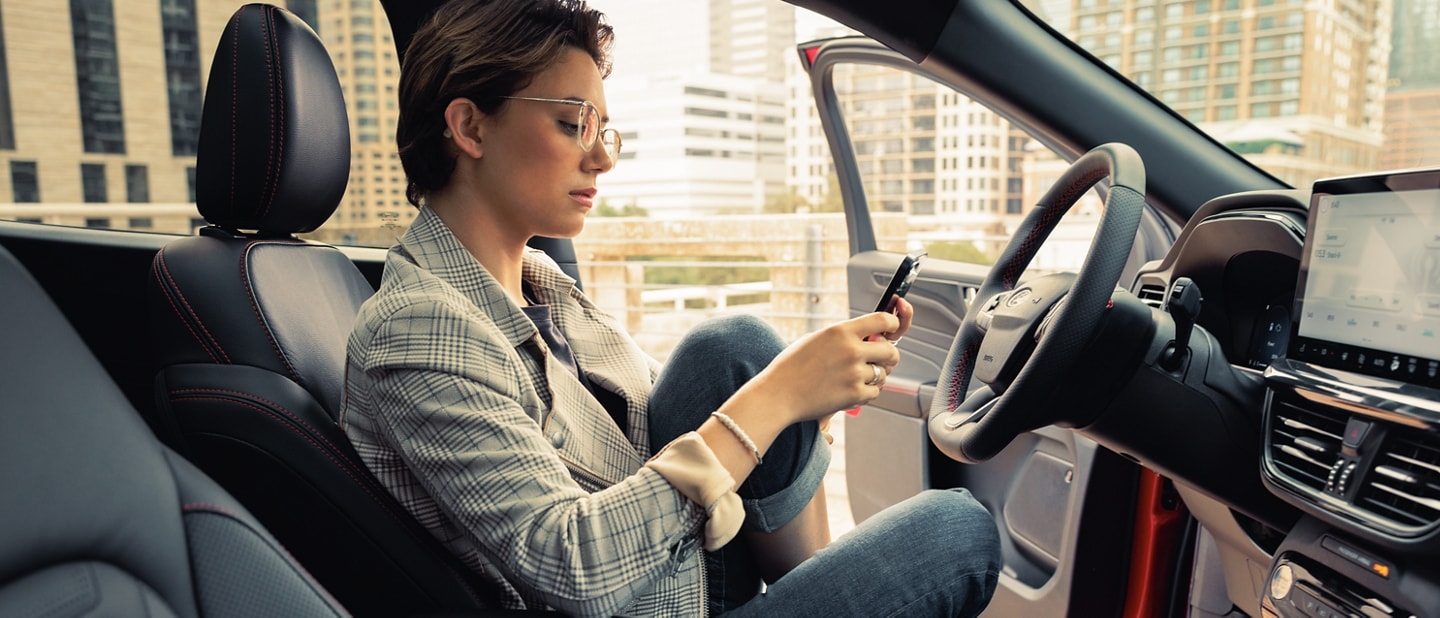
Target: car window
[[723, 200], [100, 104], [1303, 93], [941, 171]]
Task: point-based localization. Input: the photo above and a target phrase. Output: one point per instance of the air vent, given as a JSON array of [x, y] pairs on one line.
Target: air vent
[[1404, 486], [1304, 444], [1153, 295]]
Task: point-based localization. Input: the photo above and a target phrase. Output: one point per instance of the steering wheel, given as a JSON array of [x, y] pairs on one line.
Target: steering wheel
[[1021, 342]]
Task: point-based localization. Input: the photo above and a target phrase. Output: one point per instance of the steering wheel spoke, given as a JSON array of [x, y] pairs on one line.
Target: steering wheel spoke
[[1019, 340]]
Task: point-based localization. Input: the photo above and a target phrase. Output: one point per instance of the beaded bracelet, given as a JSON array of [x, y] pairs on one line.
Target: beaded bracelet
[[740, 434]]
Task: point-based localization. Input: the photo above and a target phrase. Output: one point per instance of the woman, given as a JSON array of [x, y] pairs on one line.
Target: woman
[[528, 432]]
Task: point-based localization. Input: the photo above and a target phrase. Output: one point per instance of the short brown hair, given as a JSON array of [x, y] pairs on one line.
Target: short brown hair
[[481, 50]]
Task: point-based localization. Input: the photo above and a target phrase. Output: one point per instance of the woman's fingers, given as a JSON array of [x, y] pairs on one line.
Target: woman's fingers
[[905, 312]]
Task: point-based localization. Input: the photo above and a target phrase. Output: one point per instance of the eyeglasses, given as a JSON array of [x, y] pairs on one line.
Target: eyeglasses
[[587, 127]]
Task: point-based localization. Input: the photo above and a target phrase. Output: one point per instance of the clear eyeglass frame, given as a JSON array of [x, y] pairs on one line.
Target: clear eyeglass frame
[[588, 130]]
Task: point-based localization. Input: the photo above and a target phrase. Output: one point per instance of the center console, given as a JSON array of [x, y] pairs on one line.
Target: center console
[[1352, 416]]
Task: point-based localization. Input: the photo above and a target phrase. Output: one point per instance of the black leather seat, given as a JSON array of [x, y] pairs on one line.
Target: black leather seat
[[250, 326], [97, 518]]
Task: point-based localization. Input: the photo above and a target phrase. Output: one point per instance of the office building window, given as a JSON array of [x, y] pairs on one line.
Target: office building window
[[92, 183], [306, 11], [182, 74], [190, 183], [102, 222], [24, 182], [97, 75], [7, 122], [137, 184], [141, 223]]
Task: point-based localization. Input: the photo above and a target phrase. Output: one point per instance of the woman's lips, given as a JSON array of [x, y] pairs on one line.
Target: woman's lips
[[586, 197]]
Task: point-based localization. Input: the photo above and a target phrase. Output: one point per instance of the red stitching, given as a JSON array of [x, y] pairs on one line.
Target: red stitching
[[160, 261], [274, 42], [234, 110], [957, 381], [1044, 224], [206, 506], [270, 70], [338, 463], [255, 307]]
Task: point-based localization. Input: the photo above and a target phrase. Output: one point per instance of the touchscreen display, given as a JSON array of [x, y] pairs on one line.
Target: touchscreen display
[[1369, 295]]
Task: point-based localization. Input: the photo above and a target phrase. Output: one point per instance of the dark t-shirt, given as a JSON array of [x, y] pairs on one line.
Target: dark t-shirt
[[560, 348]]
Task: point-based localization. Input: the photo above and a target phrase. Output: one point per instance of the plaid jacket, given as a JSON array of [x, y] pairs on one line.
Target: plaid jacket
[[455, 403]]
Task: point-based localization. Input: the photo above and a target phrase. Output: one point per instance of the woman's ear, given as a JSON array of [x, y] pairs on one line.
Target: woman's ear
[[463, 127]]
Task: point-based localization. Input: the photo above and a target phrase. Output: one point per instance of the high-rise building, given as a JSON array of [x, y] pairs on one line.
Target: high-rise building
[[696, 143], [700, 104], [1298, 86], [1412, 101], [754, 38], [93, 121], [921, 149], [357, 34]]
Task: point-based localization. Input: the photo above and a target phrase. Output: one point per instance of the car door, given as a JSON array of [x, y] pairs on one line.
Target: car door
[[923, 166]]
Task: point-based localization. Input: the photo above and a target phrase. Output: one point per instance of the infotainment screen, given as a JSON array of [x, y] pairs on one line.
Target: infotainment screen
[[1368, 299]]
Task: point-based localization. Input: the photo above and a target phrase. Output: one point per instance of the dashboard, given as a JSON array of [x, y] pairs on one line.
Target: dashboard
[[1332, 296]]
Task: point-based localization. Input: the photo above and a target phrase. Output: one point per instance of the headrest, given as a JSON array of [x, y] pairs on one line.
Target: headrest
[[274, 151]]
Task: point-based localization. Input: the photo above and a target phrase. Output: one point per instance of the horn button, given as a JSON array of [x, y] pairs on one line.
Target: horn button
[[1010, 320]]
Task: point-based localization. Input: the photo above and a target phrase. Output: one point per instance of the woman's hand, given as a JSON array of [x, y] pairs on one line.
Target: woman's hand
[[906, 312], [838, 367]]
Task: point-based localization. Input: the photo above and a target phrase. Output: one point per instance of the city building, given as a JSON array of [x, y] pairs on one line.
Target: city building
[[1412, 101], [921, 149], [695, 144], [1299, 85], [357, 35], [700, 105], [754, 38], [93, 122]]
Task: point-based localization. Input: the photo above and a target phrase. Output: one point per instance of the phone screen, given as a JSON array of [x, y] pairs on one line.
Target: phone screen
[[900, 283]]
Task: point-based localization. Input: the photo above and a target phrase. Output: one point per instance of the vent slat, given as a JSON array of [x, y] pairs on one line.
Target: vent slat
[[1405, 484], [1152, 295], [1304, 443]]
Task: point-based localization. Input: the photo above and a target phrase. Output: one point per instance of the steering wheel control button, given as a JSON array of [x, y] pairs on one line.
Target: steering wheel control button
[[987, 312]]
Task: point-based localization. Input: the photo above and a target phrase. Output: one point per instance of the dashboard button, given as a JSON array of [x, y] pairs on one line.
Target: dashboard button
[[1355, 432]]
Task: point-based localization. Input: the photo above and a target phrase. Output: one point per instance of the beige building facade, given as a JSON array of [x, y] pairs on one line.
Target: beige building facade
[[1298, 83], [108, 62]]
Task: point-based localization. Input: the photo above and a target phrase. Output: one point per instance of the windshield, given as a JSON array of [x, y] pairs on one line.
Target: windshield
[[1303, 90]]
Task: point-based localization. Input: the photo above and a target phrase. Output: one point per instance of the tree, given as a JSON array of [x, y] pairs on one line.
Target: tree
[[959, 251], [786, 203], [834, 201], [604, 209]]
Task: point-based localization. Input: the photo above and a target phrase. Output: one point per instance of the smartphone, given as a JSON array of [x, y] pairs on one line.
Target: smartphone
[[900, 283]]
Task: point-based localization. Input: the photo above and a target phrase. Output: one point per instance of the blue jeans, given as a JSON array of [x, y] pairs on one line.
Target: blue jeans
[[937, 553]]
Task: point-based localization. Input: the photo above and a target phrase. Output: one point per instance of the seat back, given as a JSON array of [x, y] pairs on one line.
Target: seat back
[[250, 325], [99, 518]]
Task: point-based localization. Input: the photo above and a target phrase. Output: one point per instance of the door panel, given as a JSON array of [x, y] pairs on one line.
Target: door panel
[[901, 141]]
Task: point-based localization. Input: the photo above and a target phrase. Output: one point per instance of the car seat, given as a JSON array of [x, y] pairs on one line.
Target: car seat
[[250, 325], [99, 518]]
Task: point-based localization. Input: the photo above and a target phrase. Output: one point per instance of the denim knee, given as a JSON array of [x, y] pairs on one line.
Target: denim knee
[[706, 367], [968, 528], [745, 340]]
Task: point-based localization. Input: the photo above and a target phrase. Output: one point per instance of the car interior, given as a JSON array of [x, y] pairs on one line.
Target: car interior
[[1192, 424]]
